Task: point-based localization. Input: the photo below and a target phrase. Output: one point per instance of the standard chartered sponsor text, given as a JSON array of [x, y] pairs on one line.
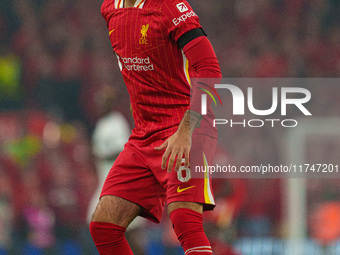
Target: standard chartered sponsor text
[[138, 64]]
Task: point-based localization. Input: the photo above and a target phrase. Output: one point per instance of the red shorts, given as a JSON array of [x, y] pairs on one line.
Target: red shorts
[[136, 176]]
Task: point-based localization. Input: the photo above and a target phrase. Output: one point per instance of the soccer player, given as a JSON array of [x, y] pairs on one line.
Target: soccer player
[[160, 45]]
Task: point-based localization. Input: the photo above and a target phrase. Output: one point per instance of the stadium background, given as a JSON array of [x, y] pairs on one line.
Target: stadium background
[[55, 59]]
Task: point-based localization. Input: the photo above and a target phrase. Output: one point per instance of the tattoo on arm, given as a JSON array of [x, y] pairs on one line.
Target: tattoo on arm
[[191, 120]]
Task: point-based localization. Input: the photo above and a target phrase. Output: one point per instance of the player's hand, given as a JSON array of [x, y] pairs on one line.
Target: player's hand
[[176, 148]]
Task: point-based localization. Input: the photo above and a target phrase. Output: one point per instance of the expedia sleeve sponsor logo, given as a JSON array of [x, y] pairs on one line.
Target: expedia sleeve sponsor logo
[[138, 64], [183, 18]]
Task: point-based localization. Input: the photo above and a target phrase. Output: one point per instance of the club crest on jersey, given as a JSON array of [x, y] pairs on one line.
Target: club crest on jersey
[[182, 7], [144, 31]]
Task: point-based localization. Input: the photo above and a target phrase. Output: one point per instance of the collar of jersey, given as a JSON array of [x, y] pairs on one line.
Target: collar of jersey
[[120, 4]]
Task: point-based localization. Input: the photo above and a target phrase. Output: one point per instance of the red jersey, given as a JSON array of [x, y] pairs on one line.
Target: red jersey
[[155, 70]]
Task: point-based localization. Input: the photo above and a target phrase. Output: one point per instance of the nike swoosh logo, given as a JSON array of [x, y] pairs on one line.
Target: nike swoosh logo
[[111, 31], [179, 190]]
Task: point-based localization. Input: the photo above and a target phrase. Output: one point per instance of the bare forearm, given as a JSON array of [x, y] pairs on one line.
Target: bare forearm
[[190, 121]]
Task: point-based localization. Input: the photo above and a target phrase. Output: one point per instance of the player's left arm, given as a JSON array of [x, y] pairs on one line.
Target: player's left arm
[[179, 144], [201, 56]]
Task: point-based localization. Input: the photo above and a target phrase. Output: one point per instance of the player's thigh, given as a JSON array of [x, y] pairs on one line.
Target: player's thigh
[[197, 207], [115, 210]]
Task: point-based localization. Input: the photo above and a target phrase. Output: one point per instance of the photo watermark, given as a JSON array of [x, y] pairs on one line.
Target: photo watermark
[[267, 128]]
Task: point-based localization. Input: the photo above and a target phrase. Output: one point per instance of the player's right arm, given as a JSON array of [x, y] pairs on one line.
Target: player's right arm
[[202, 58]]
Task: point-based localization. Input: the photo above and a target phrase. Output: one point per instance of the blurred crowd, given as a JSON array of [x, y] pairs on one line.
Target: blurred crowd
[[56, 58]]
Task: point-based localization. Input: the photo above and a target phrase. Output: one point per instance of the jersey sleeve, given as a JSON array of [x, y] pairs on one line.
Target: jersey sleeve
[[179, 18]]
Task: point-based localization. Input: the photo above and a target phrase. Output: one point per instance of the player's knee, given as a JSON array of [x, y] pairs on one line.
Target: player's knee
[[109, 238], [186, 222]]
